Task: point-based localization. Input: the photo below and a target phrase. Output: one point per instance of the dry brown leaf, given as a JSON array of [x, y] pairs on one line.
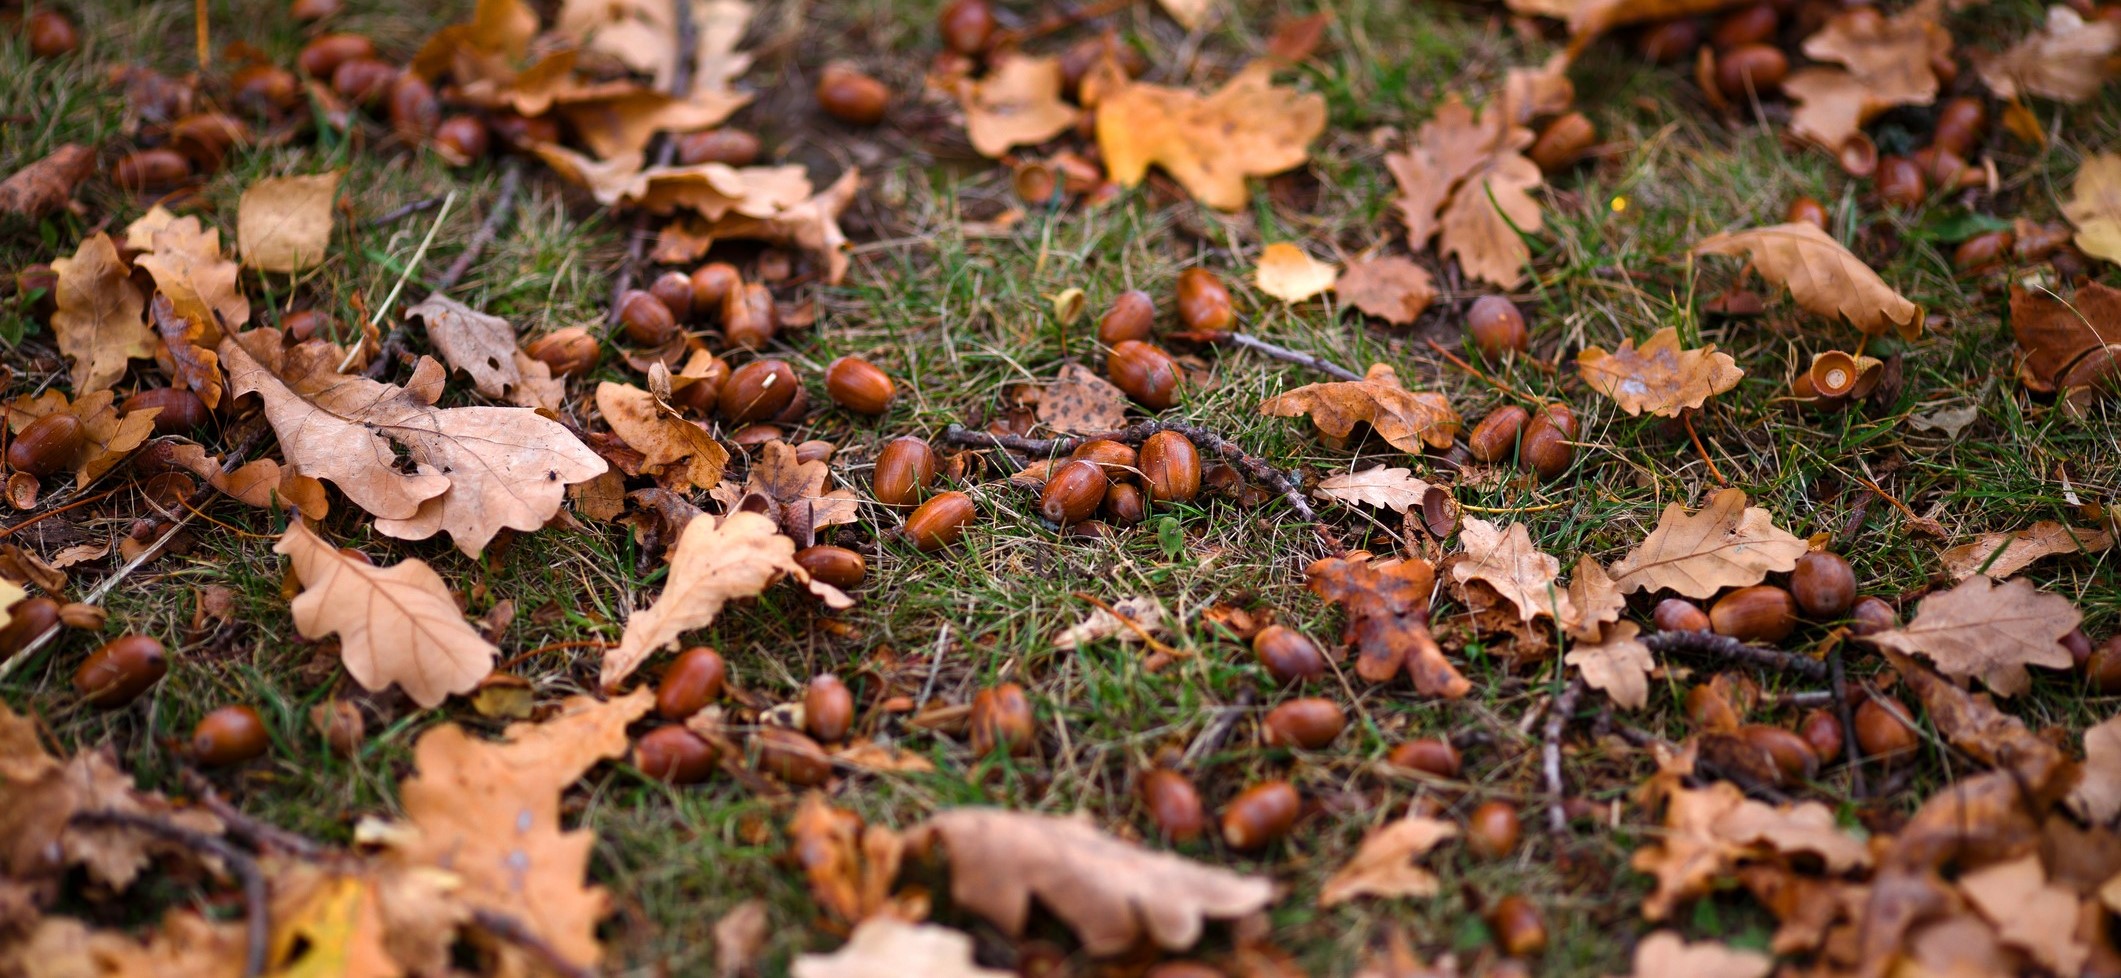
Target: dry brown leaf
[[47, 184], [478, 470], [1190, 14], [283, 224], [1387, 606], [886, 947], [1209, 144], [1659, 376], [1988, 631], [720, 25], [1109, 891], [1712, 829], [1887, 63], [676, 451], [1391, 288], [1619, 665], [1143, 611], [185, 260], [1590, 18], [107, 436], [1971, 723], [619, 122], [1532, 93], [1506, 560], [2094, 204], [2065, 60], [1463, 176], [262, 482], [1404, 419], [849, 866], [485, 48], [2097, 795], [2000, 555], [1821, 275], [1665, 954], [812, 226], [1383, 866], [489, 812], [485, 347], [1489, 214], [1287, 273], [2030, 913], [1395, 489], [1082, 403], [1593, 600], [188, 350], [794, 492], [2066, 343], [397, 625], [739, 936], [1018, 103], [99, 324], [1727, 544]]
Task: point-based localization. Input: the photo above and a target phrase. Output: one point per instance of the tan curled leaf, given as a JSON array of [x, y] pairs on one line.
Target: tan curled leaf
[[1711, 829], [185, 259], [188, 345], [262, 482], [283, 224], [1619, 665], [1505, 559], [484, 346], [397, 625], [47, 184], [1018, 103], [1405, 419], [1984, 630], [1383, 866], [477, 470], [672, 446], [887, 947], [1080, 402], [1287, 273], [2000, 555], [1454, 144], [1593, 600], [2094, 204], [1391, 288], [2097, 796], [1490, 213], [794, 492], [1821, 275], [1111, 892], [1659, 376], [107, 436], [812, 226], [2065, 60], [2030, 912], [1667, 955], [2066, 342], [100, 322], [1395, 489], [1209, 144], [1885, 63], [1727, 544]]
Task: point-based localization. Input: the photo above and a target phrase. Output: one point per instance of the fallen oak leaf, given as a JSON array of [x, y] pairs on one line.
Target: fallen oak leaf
[[99, 324], [1018, 103], [886, 947], [1885, 62], [1287, 273], [1080, 402], [185, 259], [188, 350], [794, 492], [1593, 600], [663, 437], [1988, 631], [2000, 555], [1209, 144], [2065, 60], [2067, 343], [1383, 865], [1726, 544], [283, 224], [1485, 224], [484, 346], [397, 625], [47, 184], [1506, 560], [1395, 489], [1821, 275], [1659, 376], [2030, 912], [1387, 606], [1391, 288], [1111, 892], [262, 483], [1618, 665], [812, 226], [1463, 176], [2097, 795], [1405, 419], [2094, 204]]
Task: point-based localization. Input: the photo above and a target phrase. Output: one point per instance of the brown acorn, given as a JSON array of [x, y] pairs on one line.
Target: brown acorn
[[757, 391], [1792, 755], [1124, 504], [206, 137], [748, 316], [1117, 458], [1746, 25], [646, 320], [828, 708], [340, 724], [727, 146], [1260, 814], [148, 170], [1145, 372], [229, 735], [838, 566], [1492, 830], [181, 411], [1287, 654], [792, 757], [905, 469], [1751, 68], [1669, 42], [1518, 927], [1429, 755], [859, 386], [1821, 731], [1495, 437], [1871, 615], [1170, 467], [414, 110], [461, 140], [1496, 327], [120, 671], [1900, 182], [674, 291], [1544, 447], [48, 445], [939, 522], [1880, 732], [1173, 804], [27, 619], [691, 681], [1961, 122], [1808, 211], [1823, 584], [1761, 613], [51, 34], [966, 25], [1203, 301], [1132, 316], [524, 131], [1310, 723], [1679, 615], [567, 351], [1708, 709], [2102, 669], [364, 81], [324, 54], [674, 755], [852, 97], [712, 283], [1982, 251], [1001, 720], [1563, 142]]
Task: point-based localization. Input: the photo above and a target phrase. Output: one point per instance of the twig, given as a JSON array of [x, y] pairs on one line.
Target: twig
[[637, 239], [1460, 363], [390, 298], [1687, 418], [399, 213], [1211, 739], [515, 932], [1253, 466], [240, 863], [260, 834], [1849, 744], [1724, 646], [504, 205], [47, 514], [1223, 337], [1558, 714]]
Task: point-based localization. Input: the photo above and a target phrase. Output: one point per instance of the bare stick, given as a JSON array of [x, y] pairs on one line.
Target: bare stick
[[399, 213], [1258, 469], [503, 208], [515, 932], [1558, 714], [638, 238], [1849, 744], [1223, 337], [260, 834], [255, 907], [1724, 646], [1211, 739]]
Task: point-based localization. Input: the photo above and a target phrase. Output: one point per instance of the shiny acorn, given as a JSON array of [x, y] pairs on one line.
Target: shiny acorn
[[859, 386], [904, 471], [120, 671]]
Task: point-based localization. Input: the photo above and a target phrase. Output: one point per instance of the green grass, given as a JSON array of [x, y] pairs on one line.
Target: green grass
[[961, 321]]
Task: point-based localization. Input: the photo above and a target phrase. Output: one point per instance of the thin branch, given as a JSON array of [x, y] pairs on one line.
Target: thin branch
[[504, 205], [255, 907], [399, 213], [1724, 646], [1223, 337], [1849, 744], [1558, 714], [1258, 469], [260, 834]]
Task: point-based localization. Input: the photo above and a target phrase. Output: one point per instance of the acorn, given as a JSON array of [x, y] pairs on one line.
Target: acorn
[[414, 109], [1880, 732], [1544, 447], [1669, 42], [1746, 25], [567, 351], [1982, 251], [206, 137], [1821, 731], [461, 140], [1751, 69], [1001, 720], [51, 34], [1492, 830], [1808, 211], [1496, 327], [674, 291], [321, 57], [1495, 437], [748, 316], [966, 25], [120, 671], [905, 469], [1761, 613], [1310, 723], [788, 755], [852, 97], [1823, 584], [1563, 142], [1116, 458], [727, 146], [1132, 316], [1900, 182], [1429, 755], [757, 391], [1518, 927], [828, 708], [858, 385], [1124, 504], [674, 755], [364, 81], [646, 320], [181, 411], [1170, 467], [48, 445], [523, 131], [1871, 615], [1792, 755], [2102, 669], [838, 566], [1203, 301], [1260, 814], [1173, 804], [341, 726], [1679, 615], [229, 735], [27, 619], [938, 522], [1145, 372], [1707, 709], [712, 283], [148, 170], [1961, 122], [691, 681], [1288, 655]]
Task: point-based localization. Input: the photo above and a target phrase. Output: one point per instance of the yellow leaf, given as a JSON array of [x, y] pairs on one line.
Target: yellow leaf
[[2094, 206], [1659, 376], [1210, 144], [339, 933], [1287, 273], [283, 224], [1821, 275]]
